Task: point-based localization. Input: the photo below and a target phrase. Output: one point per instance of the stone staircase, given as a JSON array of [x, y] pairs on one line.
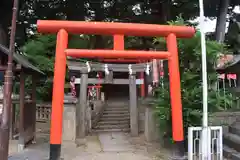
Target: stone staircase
[[231, 141], [115, 118]]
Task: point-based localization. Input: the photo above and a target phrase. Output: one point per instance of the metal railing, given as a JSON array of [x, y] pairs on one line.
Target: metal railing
[[195, 144]]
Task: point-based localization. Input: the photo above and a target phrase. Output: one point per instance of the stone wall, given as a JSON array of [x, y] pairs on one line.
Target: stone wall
[[224, 119], [147, 121], [142, 104], [216, 119], [141, 117], [70, 113], [97, 112], [69, 119]]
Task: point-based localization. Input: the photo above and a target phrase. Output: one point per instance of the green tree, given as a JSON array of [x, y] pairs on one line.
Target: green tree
[[41, 52], [140, 11], [191, 83]]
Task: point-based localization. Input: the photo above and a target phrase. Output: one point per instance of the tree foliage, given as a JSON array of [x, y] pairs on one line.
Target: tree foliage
[[41, 52], [140, 11], [191, 83]]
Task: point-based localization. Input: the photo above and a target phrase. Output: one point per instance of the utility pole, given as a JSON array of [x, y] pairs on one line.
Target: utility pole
[[7, 100]]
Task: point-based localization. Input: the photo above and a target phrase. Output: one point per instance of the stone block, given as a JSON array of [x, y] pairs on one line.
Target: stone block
[[69, 120]]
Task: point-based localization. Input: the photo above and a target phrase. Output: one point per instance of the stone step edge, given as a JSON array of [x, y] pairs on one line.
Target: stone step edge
[[234, 130], [230, 153], [116, 111], [116, 108], [114, 118], [232, 139], [110, 130], [113, 126], [114, 122], [115, 115]]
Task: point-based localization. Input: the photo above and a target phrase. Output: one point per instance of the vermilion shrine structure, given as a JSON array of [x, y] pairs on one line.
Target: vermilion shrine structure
[[62, 28]]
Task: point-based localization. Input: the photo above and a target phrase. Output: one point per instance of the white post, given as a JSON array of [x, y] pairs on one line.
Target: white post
[[224, 92], [205, 138]]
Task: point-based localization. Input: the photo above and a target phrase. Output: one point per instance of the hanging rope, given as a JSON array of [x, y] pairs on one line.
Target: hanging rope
[[106, 69], [73, 88], [147, 69], [88, 66], [130, 69]]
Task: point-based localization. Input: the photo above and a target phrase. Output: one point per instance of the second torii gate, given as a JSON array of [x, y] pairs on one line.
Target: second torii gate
[[62, 28]]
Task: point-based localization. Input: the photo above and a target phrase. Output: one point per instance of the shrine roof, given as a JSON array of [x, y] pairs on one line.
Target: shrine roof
[[21, 59]]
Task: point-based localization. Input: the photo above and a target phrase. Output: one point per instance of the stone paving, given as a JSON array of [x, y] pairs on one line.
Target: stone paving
[[105, 146]]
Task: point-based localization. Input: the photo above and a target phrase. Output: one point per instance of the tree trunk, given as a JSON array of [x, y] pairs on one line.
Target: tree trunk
[[5, 20], [165, 11], [3, 36], [221, 20]]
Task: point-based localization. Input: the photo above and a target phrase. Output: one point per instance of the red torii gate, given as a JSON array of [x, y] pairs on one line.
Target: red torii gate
[[62, 28]]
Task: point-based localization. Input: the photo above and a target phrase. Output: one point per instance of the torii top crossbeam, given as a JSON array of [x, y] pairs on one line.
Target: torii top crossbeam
[[109, 28]]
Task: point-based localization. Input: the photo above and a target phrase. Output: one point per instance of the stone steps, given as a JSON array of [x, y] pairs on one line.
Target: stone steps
[[112, 111], [117, 103], [116, 109], [115, 122], [122, 115], [115, 118], [96, 130], [112, 126], [231, 141], [235, 129], [230, 153]]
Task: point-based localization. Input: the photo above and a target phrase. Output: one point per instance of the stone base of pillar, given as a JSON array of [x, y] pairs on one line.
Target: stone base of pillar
[[69, 120], [21, 147], [178, 151], [151, 129], [88, 120], [21, 142], [80, 142]]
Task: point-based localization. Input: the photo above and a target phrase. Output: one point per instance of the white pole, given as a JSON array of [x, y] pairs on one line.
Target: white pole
[[224, 91], [204, 67], [205, 139]]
